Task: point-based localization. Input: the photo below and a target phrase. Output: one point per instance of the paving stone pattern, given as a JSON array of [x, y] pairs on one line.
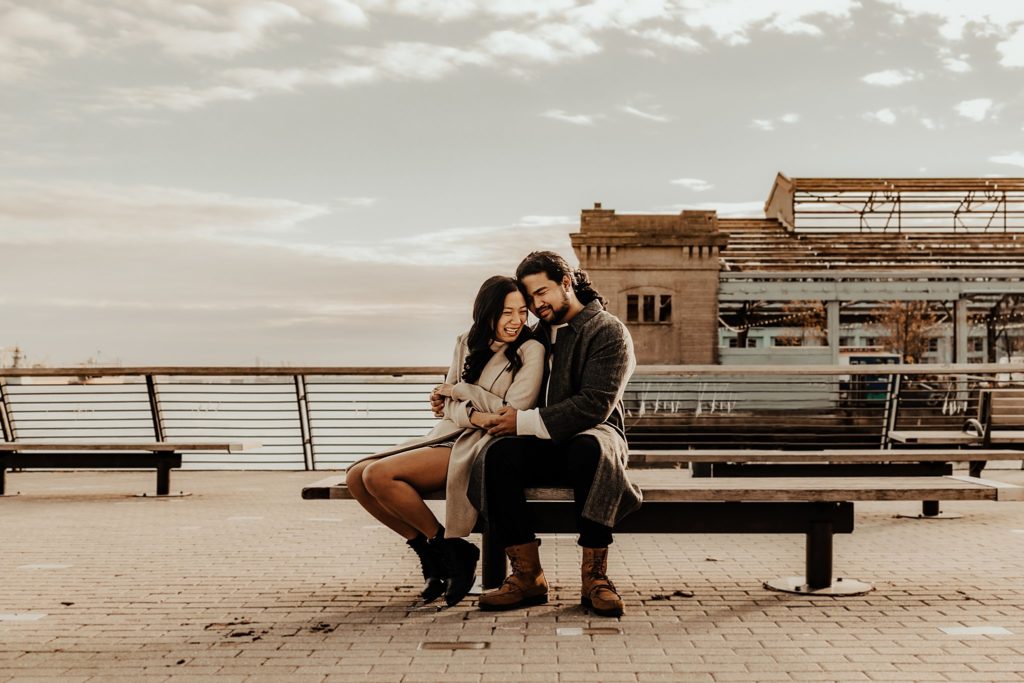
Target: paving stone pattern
[[244, 581]]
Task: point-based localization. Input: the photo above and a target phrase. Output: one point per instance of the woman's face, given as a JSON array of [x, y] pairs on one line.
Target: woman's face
[[513, 318]]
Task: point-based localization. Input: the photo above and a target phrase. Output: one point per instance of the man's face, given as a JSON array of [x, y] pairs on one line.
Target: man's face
[[547, 299]]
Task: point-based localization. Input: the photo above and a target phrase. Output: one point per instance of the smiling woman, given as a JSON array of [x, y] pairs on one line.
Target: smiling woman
[[497, 363]]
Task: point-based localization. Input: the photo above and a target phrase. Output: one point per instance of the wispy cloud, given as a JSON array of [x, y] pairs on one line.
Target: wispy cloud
[[648, 116], [520, 36], [468, 246], [749, 209], [891, 77], [957, 16], [355, 202], [975, 110], [885, 115], [574, 119], [548, 44], [31, 39], [673, 40], [74, 211], [958, 65], [1012, 49], [404, 61], [772, 124], [695, 184], [732, 21], [1011, 158]]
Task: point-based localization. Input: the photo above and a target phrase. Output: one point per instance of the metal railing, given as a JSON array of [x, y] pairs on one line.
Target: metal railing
[[326, 417]]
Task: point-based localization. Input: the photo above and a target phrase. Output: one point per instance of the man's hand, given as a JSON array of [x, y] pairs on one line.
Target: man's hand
[[437, 404], [504, 423]]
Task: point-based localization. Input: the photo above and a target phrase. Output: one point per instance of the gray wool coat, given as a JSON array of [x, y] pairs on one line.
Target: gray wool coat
[[496, 387], [591, 362]]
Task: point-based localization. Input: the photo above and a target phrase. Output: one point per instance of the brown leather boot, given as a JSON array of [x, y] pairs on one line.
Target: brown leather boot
[[524, 586], [598, 592]]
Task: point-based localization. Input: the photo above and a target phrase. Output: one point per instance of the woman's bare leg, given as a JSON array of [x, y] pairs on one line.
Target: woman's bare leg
[[398, 483], [354, 481]]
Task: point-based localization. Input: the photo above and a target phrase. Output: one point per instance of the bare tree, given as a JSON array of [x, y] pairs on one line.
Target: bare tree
[[906, 327], [812, 317], [997, 324]]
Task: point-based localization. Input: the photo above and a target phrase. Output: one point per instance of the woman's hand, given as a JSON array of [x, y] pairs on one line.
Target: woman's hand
[[444, 390], [483, 420]]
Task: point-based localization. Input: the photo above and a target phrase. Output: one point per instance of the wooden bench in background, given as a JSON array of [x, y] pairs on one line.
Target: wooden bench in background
[[834, 462], [162, 455], [675, 502], [1000, 422]]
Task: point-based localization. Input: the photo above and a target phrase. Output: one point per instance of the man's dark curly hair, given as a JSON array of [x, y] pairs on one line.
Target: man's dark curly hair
[[556, 267]]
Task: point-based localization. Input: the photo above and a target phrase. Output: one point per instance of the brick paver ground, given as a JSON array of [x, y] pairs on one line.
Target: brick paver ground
[[244, 581]]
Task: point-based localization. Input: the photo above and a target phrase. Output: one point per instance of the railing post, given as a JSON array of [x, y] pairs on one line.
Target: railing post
[[8, 433], [892, 399], [154, 408], [6, 423], [304, 424]]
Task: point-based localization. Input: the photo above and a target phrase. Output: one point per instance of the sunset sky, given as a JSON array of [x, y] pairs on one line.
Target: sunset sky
[[328, 182]]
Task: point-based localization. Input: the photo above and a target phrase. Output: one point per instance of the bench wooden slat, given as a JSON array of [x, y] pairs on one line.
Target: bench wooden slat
[[161, 455], [1007, 436], [933, 436], [155, 446], [843, 455], [679, 486]]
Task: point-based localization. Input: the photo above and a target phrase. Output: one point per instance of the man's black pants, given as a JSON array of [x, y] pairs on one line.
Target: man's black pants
[[513, 464]]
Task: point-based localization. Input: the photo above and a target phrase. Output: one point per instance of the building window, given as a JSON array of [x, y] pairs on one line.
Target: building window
[[847, 341], [787, 340], [933, 345], [734, 342], [655, 308], [665, 310], [976, 345]]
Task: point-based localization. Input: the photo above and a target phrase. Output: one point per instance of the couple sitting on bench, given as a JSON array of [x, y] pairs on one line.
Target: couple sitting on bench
[[574, 365]]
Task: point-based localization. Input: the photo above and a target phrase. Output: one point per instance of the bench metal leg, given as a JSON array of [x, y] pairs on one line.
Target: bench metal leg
[[818, 568], [163, 478], [819, 555], [165, 462], [702, 469], [930, 510]]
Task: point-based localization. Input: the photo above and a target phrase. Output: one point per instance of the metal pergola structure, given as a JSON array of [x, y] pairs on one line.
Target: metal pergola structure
[[842, 248], [898, 205]]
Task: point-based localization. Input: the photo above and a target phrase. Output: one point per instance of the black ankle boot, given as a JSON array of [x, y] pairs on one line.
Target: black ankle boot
[[435, 572], [460, 557]]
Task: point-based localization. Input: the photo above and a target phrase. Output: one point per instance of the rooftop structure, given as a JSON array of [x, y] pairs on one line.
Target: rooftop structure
[[847, 244]]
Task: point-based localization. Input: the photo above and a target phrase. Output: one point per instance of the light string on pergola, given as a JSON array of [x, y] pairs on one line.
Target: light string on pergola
[[770, 321], [974, 320]]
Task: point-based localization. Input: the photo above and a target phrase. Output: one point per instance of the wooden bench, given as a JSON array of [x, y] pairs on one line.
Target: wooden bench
[[162, 455], [826, 463], [675, 502], [1000, 422]]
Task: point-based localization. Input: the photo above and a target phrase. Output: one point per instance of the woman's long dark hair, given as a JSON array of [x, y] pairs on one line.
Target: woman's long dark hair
[[487, 308], [556, 267]]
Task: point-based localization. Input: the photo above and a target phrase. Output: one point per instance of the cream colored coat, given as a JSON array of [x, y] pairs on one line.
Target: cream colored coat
[[493, 389]]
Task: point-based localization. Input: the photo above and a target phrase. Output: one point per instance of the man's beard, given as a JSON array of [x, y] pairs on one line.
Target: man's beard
[[558, 314]]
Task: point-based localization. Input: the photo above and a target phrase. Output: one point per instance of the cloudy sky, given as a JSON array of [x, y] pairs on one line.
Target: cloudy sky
[[328, 181]]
